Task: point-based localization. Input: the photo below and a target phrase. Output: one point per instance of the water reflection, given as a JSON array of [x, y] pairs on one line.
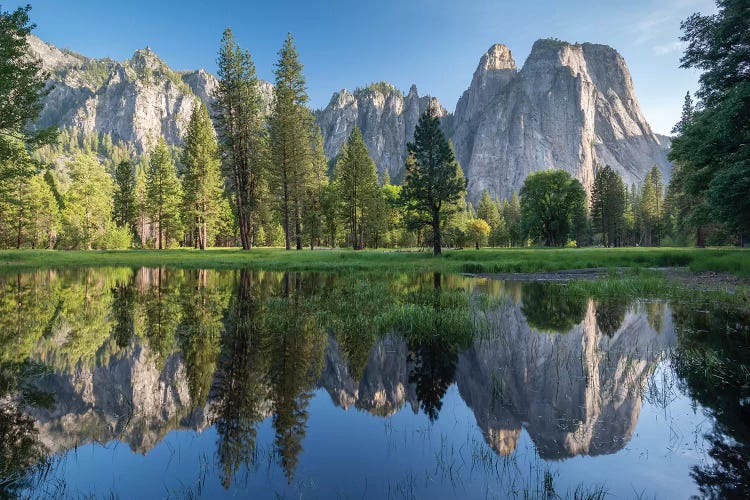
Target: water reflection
[[120, 355]]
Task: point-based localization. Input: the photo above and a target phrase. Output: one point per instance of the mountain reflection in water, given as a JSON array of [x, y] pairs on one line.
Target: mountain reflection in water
[[243, 357]]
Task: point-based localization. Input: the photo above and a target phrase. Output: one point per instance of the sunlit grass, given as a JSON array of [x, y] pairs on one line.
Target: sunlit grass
[[732, 260]]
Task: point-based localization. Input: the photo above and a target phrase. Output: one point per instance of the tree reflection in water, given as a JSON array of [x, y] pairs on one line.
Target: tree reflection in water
[[233, 349]]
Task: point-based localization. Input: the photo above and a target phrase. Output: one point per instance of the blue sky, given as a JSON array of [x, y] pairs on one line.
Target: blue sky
[[435, 44]]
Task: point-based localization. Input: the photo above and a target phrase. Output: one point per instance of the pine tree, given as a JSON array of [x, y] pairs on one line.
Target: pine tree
[[512, 216], [242, 134], [290, 145], [125, 211], [312, 218], [432, 182], [163, 194], [652, 204], [488, 211], [357, 189], [687, 115], [202, 178], [608, 206], [141, 202]]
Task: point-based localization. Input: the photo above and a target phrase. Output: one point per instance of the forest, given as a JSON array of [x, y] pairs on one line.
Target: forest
[[248, 178]]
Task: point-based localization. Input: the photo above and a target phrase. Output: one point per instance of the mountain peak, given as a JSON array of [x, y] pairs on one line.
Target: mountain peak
[[497, 57], [146, 59]]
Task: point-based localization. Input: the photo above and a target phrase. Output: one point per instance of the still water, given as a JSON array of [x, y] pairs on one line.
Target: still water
[[152, 383]]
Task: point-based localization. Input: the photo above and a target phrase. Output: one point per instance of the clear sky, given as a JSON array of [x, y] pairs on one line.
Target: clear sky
[[435, 44]]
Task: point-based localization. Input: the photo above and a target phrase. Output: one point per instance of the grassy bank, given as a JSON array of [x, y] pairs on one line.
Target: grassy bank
[[736, 261]]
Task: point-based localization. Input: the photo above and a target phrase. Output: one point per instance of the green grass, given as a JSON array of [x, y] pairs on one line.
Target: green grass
[[736, 261]]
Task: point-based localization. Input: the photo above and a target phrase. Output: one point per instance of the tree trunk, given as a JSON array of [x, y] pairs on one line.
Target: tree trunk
[[436, 243], [297, 228], [288, 242]]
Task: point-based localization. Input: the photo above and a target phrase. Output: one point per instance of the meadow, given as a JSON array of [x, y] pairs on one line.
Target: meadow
[[487, 260]]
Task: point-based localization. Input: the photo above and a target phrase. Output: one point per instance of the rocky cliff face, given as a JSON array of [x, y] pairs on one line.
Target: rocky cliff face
[[575, 393], [127, 398], [384, 115], [135, 101], [570, 107]]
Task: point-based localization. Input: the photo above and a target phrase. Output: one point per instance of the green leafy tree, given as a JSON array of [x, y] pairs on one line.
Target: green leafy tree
[[477, 231], [202, 178], [290, 144], [433, 184], [243, 140], [551, 203], [163, 194], [22, 85], [88, 204], [43, 220], [357, 188]]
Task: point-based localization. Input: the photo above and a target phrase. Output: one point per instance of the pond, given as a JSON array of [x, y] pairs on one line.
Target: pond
[[151, 383]]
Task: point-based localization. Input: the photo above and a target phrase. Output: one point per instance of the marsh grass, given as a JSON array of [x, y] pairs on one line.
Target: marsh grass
[[731, 260]]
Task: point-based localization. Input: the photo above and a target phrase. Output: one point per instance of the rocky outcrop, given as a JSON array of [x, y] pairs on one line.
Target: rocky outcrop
[[384, 386], [570, 107], [576, 392], [128, 398], [135, 101], [384, 115]]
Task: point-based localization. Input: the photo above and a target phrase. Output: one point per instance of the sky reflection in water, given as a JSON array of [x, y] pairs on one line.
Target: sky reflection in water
[[149, 383]]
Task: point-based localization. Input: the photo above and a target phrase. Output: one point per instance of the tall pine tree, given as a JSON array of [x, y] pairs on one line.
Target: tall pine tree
[[242, 134], [432, 182], [290, 144], [163, 194], [356, 187], [125, 211], [608, 206], [202, 178]]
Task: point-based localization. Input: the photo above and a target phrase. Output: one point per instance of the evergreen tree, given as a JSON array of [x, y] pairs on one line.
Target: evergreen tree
[[433, 182], [687, 115], [712, 151], [312, 217], [241, 130], [290, 144], [357, 187], [608, 206], [512, 216], [141, 202], [652, 204], [202, 178], [125, 211], [488, 211], [163, 194]]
